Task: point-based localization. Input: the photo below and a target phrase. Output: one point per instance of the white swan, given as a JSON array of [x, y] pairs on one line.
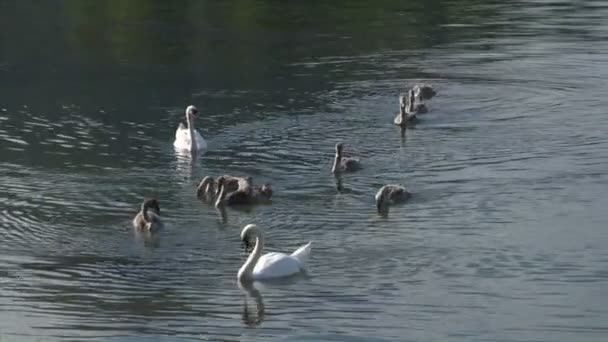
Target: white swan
[[270, 265], [183, 134]]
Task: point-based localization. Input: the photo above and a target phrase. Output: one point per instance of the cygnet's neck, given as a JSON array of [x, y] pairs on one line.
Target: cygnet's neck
[[220, 195], [337, 159]]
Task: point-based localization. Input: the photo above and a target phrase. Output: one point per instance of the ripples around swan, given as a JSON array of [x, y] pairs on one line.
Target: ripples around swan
[[504, 238]]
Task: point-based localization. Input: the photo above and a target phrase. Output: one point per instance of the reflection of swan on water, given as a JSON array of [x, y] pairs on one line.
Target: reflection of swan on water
[[184, 134], [270, 265], [223, 216], [185, 166], [250, 291], [339, 185], [149, 239]]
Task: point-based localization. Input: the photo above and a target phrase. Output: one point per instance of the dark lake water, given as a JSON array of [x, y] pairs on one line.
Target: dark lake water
[[505, 236]]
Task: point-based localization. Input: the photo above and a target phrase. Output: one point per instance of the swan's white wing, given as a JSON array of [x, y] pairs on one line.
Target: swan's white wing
[[302, 253], [200, 141], [182, 139], [276, 265]]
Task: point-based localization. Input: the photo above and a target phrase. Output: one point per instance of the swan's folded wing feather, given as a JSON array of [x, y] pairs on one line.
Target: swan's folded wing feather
[[276, 265], [303, 253], [182, 138], [200, 141], [182, 133]]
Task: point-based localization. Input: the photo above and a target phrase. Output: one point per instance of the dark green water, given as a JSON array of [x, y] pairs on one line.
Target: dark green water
[[505, 237]]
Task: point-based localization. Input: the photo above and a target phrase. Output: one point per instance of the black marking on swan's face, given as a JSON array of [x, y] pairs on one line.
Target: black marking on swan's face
[[191, 111], [247, 243]]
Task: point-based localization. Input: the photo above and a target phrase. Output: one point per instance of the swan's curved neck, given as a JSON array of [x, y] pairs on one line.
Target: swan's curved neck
[[205, 187], [144, 212], [381, 202], [193, 145], [402, 112], [220, 196], [336, 167], [410, 103], [246, 271]]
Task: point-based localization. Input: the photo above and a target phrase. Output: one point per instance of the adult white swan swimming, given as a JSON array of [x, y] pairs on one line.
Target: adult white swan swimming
[[183, 134], [270, 265]]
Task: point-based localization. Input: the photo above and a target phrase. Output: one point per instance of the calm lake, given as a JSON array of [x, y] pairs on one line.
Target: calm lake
[[504, 238]]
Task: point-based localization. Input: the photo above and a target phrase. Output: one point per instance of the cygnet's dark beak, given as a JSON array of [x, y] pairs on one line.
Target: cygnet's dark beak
[[380, 205]]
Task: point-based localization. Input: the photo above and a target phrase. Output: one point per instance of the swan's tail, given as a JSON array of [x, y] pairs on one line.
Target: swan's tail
[[302, 253]]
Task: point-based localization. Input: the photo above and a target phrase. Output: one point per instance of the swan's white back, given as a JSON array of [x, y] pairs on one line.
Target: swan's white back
[[277, 265], [182, 139]]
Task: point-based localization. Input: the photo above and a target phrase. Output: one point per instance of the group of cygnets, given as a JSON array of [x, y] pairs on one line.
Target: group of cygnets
[[231, 190]]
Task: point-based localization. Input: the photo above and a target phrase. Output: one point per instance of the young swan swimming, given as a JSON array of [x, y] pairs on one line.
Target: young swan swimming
[[270, 265], [148, 218], [183, 134], [390, 194], [408, 109], [233, 183], [344, 164], [401, 118], [424, 91], [414, 107], [245, 194], [206, 189], [262, 193]]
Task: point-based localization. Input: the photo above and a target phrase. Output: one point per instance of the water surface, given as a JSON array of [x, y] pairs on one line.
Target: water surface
[[504, 239]]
